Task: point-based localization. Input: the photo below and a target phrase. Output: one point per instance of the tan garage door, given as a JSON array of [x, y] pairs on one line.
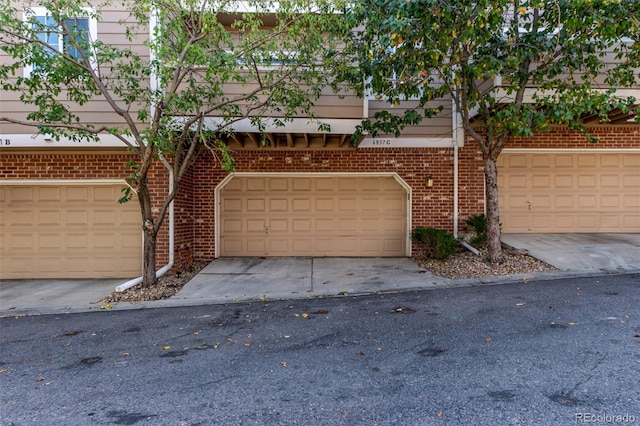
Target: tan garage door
[[569, 192], [68, 231], [313, 216]]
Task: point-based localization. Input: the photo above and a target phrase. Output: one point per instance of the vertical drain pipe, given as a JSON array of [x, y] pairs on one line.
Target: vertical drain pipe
[[154, 84], [455, 133], [160, 272]]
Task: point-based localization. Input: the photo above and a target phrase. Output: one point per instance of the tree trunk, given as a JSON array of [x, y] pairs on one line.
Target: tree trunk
[[149, 256], [493, 215], [150, 233]]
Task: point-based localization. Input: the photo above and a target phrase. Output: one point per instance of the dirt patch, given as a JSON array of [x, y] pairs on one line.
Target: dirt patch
[[466, 265], [168, 285]]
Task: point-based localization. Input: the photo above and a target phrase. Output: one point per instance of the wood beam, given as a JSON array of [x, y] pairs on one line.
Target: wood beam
[[254, 139]]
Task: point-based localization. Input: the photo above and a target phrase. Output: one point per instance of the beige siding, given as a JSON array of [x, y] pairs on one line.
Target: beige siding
[[439, 126], [96, 112]]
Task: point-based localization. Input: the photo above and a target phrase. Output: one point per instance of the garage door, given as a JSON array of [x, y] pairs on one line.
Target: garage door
[[313, 216], [569, 192], [68, 231]]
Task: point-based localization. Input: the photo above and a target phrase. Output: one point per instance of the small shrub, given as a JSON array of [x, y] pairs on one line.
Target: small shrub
[[435, 243], [478, 226]]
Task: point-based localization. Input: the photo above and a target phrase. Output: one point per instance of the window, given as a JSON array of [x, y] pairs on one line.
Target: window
[[83, 27]]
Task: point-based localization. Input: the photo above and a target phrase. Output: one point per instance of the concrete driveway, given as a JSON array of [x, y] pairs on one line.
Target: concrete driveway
[[228, 280], [581, 252]]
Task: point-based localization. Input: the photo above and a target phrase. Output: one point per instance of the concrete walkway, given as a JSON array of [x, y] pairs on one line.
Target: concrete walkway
[[229, 280]]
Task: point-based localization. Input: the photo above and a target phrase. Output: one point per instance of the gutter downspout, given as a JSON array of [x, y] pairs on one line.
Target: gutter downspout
[[457, 133], [154, 85], [160, 272]]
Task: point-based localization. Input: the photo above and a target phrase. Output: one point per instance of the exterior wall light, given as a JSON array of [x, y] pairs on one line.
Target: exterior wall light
[[429, 181]]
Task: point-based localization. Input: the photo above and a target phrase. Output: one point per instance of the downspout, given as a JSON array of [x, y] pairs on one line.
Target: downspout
[[160, 272], [457, 133]]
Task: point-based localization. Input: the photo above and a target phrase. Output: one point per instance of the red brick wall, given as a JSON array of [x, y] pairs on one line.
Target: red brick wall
[[195, 204], [20, 165], [431, 206], [623, 136]]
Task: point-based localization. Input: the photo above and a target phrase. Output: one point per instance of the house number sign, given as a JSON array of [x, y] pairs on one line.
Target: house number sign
[[404, 142]]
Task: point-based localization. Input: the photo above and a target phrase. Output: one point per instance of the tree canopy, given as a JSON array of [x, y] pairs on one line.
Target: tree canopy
[[512, 67], [175, 74]]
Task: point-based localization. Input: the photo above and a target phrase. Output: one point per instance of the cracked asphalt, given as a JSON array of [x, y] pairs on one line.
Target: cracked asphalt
[[543, 353]]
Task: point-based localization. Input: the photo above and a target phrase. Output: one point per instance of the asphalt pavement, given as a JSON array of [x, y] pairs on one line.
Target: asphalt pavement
[[231, 280], [543, 353]]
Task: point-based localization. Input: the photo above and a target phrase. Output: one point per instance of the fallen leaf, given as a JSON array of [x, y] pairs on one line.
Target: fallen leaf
[[4, 370], [378, 349], [442, 350], [196, 333], [519, 304], [40, 379], [106, 307], [166, 347], [126, 353], [361, 353], [305, 315], [571, 323], [439, 414], [246, 345], [229, 339], [637, 335], [488, 339], [283, 363]]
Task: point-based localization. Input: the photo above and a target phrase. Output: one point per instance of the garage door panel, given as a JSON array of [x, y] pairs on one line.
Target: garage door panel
[[48, 194], [18, 217], [302, 225], [256, 205], [315, 216], [325, 225], [632, 181], [279, 225], [256, 184], [58, 230], [256, 247], [631, 222], [256, 225], [563, 181], [586, 192], [77, 194], [300, 184], [21, 241], [278, 184], [278, 205], [631, 201], [77, 241], [76, 217]]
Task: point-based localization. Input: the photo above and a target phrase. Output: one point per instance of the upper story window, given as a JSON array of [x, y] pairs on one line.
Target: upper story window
[[83, 28]]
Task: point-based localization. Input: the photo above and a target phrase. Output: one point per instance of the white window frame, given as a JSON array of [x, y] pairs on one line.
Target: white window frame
[[43, 12]]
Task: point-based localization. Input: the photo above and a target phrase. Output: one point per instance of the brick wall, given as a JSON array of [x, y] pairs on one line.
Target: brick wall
[[20, 165], [431, 206], [195, 204]]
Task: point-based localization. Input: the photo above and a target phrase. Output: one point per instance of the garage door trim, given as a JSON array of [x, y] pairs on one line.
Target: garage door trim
[[231, 176]]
